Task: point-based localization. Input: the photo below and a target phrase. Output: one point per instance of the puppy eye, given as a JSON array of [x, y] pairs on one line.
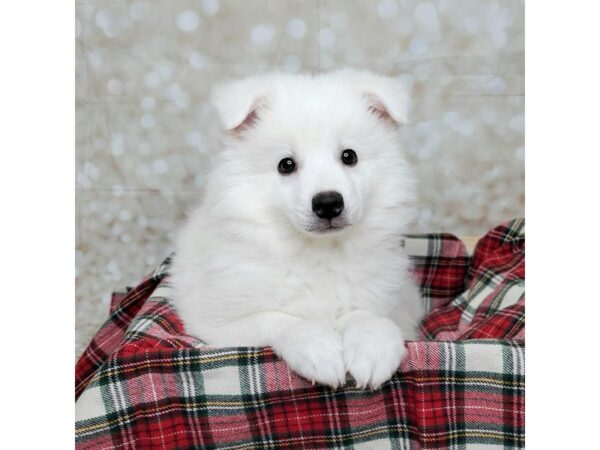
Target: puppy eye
[[349, 157], [286, 166]]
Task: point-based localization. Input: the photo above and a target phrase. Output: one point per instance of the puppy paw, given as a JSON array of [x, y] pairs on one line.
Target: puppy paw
[[314, 352], [373, 350]]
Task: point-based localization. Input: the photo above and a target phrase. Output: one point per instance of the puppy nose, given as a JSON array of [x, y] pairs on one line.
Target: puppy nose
[[328, 205]]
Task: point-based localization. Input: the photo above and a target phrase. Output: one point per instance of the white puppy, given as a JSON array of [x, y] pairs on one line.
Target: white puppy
[[297, 242]]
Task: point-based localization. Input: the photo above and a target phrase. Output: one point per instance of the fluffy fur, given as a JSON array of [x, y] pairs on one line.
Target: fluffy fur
[[256, 267]]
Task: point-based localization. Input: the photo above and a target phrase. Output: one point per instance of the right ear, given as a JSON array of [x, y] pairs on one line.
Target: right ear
[[238, 102]]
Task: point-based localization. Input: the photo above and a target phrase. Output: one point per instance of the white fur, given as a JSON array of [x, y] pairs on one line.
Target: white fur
[[251, 271]]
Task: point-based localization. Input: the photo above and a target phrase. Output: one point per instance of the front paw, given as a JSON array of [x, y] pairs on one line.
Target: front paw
[[314, 352], [373, 350]]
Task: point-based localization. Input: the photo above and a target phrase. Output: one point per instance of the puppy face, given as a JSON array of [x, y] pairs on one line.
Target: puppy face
[[319, 153]]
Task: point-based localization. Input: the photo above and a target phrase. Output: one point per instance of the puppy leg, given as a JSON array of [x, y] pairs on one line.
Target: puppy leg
[[373, 347], [309, 348], [314, 351]]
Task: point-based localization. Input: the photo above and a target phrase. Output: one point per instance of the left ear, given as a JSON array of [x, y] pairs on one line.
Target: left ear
[[239, 102], [386, 97]]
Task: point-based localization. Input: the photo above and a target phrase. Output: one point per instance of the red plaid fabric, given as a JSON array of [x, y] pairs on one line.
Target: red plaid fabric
[[143, 383], [493, 304]]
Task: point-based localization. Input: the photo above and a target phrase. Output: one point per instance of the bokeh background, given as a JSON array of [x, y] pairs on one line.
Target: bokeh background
[[144, 68]]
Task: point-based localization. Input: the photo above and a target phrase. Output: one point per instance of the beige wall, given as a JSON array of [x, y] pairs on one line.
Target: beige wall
[[144, 69]]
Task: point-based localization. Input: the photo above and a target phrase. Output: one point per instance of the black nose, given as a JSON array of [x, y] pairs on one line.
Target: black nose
[[328, 205]]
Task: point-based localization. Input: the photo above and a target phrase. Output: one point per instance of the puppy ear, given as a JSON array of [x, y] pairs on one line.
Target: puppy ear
[[238, 102], [386, 97]]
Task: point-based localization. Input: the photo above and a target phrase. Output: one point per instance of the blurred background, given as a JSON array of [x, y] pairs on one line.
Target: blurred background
[[144, 68]]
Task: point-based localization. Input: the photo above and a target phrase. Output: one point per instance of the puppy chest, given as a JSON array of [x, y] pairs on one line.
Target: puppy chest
[[329, 293]]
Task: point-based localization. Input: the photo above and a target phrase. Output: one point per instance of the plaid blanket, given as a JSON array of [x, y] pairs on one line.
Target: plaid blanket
[[142, 383]]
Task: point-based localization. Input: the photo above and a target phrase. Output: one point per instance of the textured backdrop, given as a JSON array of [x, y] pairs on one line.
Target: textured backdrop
[[144, 69]]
